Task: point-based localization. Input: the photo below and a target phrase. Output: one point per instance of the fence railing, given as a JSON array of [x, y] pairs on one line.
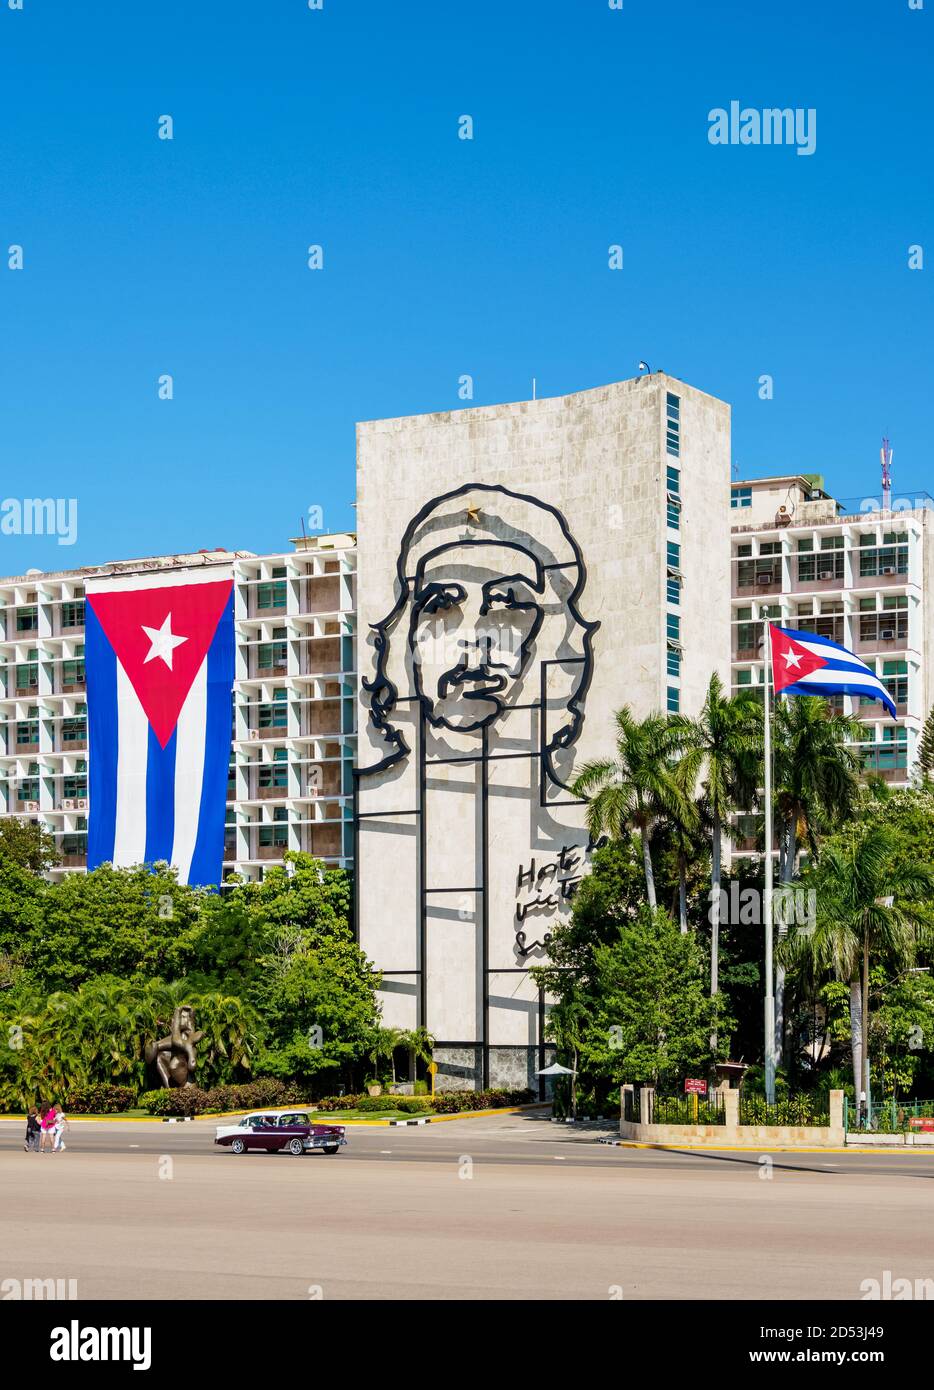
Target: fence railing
[[794, 1110], [688, 1110], [890, 1117]]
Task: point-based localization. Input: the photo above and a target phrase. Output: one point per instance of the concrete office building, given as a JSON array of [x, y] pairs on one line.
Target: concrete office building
[[294, 704], [524, 570], [852, 572]]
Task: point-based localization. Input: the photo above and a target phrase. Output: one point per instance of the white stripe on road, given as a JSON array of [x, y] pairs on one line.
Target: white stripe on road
[[132, 757], [190, 735]]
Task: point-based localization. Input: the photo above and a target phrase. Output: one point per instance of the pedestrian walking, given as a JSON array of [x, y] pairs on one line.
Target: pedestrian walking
[[58, 1129], [33, 1130], [47, 1125]]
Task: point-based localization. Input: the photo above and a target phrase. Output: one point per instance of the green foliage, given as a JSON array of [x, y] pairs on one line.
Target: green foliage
[[28, 844]]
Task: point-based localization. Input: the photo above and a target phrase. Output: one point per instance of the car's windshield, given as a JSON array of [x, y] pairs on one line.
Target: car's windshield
[[297, 1119]]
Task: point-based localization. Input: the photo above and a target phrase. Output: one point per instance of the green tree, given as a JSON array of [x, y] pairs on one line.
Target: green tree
[[870, 907], [926, 747], [723, 753], [638, 788], [29, 844], [651, 1017], [111, 922]]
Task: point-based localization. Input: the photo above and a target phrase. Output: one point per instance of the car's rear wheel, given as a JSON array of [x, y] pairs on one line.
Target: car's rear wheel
[[238, 1146], [296, 1147]]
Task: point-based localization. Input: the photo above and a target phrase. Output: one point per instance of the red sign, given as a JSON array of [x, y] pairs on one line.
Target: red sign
[[693, 1086], [922, 1122]]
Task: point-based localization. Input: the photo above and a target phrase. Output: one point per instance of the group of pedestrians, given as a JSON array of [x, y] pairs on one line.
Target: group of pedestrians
[[45, 1129]]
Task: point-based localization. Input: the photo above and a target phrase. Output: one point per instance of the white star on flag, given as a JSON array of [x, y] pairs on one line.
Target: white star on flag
[[163, 641], [792, 658]]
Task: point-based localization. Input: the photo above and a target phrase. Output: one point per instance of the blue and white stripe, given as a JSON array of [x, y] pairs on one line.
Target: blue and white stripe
[[149, 803], [843, 673]]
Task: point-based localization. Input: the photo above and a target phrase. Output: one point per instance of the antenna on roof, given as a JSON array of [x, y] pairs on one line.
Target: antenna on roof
[[885, 454]]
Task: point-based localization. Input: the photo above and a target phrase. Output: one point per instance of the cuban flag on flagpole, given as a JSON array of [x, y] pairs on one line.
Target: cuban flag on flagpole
[[805, 664], [159, 656]]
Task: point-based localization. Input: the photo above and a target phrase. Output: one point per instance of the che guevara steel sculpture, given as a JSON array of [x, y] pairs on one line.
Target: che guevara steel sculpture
[[174, 1056]]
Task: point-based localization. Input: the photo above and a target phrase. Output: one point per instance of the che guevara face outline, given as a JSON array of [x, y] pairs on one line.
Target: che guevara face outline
[[472, 633]]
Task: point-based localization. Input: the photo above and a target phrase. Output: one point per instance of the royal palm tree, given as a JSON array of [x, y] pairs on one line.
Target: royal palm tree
[[630, 793], [816, 774], [869, 905], [724, 756], [816, 786]]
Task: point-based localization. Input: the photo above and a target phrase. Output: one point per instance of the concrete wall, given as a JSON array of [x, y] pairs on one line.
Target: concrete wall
[[599, 458]]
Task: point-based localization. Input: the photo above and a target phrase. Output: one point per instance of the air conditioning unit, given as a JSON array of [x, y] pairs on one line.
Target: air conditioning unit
[[81, 803], [887, 569], [765, 576], [68, 804], [254, 735], [887, 634], [32, 805]]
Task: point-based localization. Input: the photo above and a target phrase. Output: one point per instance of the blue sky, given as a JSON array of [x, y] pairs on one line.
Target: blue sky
[[443, 257]]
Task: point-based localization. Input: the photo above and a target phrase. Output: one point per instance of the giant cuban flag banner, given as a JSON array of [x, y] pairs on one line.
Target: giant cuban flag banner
[[805, 664], [159, 655]]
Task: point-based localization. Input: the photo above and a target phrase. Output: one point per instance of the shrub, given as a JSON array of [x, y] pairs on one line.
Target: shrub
[[102, 1099], [454, 1102], [406, 1104]]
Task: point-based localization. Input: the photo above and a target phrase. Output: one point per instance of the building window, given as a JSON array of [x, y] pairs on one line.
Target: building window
[[889, 558], [674, 513], [27, 620], [73, 613], [673, 425], [27, 675], [674, 555], [272, 654], [674, 662], [274, 716], [674, 700], [740, 497], [73, 671], [27, 731], [74, 786], [74, 730], [673, 627], [674, 591], [272, 594]]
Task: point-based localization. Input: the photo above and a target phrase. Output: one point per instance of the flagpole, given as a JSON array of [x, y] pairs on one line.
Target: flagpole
[[767, 896]]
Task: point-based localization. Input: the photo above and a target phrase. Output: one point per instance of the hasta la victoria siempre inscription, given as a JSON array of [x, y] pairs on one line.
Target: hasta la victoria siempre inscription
[[547, 886]]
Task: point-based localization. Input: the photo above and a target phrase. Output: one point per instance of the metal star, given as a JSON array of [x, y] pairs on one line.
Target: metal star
[[473, 515]]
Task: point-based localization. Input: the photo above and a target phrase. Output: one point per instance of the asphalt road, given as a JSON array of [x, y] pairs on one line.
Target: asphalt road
[[505, 1207]]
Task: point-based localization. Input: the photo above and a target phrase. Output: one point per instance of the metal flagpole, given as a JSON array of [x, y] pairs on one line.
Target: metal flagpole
[[767, 896]]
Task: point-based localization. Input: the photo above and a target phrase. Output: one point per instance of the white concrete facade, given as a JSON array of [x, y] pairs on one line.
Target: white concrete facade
[[294, 702], [504, 552]]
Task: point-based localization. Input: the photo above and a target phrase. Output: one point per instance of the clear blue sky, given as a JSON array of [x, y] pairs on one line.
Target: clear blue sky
[[442, 256]]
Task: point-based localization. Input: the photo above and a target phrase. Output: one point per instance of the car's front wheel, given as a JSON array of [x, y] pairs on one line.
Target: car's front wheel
[[331, 1148], [296, 1147], [238, 1146]]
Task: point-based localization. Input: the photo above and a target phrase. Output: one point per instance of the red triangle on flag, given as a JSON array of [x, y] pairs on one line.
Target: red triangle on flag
[[161, 636], [790, 660]]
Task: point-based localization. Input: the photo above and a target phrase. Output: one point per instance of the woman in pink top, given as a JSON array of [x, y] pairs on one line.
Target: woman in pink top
[[49, 1117]]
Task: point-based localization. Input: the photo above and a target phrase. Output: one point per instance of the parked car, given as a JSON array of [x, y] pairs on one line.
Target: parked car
[[275, 1130]]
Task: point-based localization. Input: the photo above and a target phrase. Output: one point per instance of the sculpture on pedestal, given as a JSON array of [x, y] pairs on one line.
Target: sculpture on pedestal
[[174, 1056]]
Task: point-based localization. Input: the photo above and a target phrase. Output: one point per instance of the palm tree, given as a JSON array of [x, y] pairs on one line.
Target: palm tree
[[816, 779], [632, 792], [567, 1021], [420, 1044], [816, 785], [385, 1042], [869, 905], [723, 754]]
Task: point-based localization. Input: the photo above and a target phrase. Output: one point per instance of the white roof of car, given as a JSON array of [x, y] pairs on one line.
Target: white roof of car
[[288, 1110]]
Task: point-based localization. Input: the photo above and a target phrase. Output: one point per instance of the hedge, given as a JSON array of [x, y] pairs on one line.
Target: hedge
[[191, 1100]]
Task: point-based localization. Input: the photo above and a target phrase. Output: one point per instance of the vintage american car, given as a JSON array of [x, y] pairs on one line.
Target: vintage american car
[[275, 1130]]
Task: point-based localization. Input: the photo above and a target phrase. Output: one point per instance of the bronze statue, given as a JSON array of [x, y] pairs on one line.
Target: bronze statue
[[174, 1056]]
